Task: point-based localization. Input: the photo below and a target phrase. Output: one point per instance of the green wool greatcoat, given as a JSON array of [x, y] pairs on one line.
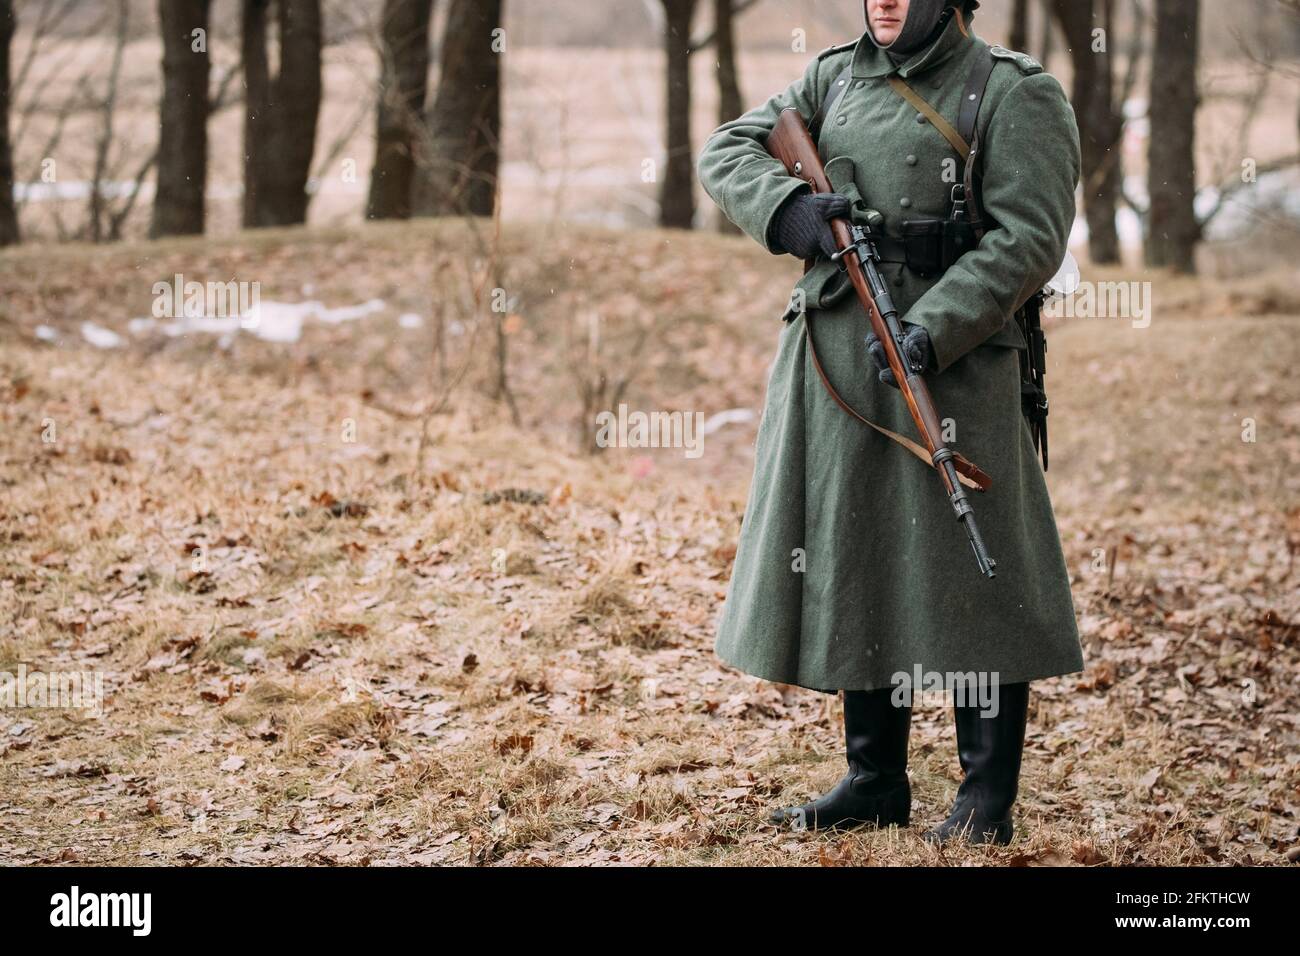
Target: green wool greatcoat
[[851, 568]]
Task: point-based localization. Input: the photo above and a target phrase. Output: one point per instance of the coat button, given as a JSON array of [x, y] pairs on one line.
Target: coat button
[[860, 84], [911, 160], [905, 203], [920, 118], [841, 120]]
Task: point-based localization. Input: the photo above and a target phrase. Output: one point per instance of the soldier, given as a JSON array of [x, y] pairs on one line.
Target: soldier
[[850, 572]]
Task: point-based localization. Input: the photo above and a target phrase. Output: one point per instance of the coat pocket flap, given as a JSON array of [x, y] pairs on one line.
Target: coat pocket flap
[[1009, 336], [822, 286]]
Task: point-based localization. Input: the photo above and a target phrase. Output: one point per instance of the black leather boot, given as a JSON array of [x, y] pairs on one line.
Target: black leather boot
[[876, 789], [989, 749]]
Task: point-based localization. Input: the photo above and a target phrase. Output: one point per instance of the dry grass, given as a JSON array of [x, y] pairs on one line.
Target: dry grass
[[444, 672]]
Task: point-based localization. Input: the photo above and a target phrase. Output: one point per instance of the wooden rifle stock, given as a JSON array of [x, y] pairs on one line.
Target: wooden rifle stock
[[791, 144]]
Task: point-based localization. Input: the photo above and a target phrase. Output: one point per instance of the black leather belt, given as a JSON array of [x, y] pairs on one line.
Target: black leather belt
[[889, 248]]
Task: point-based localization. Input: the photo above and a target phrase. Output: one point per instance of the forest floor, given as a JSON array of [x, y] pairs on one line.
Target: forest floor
[[349, 608]]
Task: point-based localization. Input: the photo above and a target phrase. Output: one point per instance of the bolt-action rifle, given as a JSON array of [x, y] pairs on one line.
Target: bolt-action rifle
[[791, 143]]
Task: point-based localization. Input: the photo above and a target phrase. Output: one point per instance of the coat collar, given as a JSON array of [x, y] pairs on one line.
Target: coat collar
[[871, 61]]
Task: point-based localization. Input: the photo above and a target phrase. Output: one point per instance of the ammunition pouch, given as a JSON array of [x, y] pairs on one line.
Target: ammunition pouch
[[928, 248], [923, 246], [932, 246]]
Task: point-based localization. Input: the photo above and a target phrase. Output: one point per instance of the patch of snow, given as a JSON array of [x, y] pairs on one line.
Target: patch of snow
[[270, 321], [1129, 226], [275, 321], [349, 313], [409, 320], [1135, 107], [732, 416], [100, 337], [79, 189], [1274, 197], [46, 334]]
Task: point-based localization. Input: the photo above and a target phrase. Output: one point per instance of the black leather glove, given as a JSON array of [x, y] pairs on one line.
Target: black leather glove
[[917, 350], [801, 227]]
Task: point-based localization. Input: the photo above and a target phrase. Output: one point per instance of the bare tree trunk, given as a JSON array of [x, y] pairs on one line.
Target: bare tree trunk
[[677, 195], [257, 103], [1046, 35], [460, 156], [404, 71], [730, 102], [183, 121], [1100, 126], [8, 215], [281, 113], [1019, 38], [97, 208], [1171, 178]]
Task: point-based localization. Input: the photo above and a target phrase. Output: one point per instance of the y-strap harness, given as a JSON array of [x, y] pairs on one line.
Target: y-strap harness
[[930, 246]]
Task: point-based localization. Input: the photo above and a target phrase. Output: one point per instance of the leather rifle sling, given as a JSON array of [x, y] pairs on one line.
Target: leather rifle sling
[[837, 87], [968, 473], [946, 129]]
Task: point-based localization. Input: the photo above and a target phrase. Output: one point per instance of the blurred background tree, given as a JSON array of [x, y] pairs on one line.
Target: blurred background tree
[[461, 148], [8, 215], [183, 120], [281, 111], [1172, 228], [403, 85], [426, 87]]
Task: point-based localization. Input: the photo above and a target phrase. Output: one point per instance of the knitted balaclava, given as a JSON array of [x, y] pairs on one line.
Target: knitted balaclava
[[922, 17], [924, 21]]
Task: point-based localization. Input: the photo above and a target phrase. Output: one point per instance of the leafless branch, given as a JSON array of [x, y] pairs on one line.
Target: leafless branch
[[108, 107], [47, 21], [737, 8]]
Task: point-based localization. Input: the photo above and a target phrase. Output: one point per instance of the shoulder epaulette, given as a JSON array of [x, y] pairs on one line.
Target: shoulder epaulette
[[837, 49], [1028, 65]]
